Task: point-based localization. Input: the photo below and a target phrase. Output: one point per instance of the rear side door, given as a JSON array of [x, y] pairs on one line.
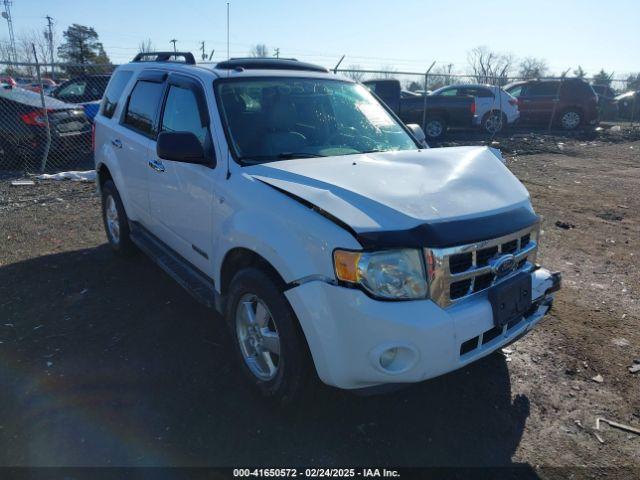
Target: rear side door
[[134, 138], [181, 194]]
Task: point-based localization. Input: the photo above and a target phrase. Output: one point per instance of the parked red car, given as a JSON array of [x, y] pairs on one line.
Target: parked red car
[[571, 101], [8, 80]]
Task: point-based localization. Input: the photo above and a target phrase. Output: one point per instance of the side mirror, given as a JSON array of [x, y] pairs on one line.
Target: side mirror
[[180, 147], [418, 133]]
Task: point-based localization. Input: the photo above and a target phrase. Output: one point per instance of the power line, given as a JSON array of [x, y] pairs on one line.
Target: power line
[[50, 38], [12, 40]]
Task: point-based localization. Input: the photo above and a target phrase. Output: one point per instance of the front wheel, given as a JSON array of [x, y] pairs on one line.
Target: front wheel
[[269, 344]]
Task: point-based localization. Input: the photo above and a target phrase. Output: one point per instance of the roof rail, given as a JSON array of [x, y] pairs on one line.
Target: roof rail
[[189, 59], [260, 63]]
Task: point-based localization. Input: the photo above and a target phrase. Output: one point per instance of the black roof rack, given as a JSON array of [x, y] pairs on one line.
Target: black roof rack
[[189, 59], [259, 63]]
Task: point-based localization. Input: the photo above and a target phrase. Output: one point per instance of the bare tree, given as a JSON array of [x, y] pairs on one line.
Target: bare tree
[[389, 72], [488, 66], [355, 75], [531, 67], [259, 50], [145, 46], [442, 76], [633, 81]]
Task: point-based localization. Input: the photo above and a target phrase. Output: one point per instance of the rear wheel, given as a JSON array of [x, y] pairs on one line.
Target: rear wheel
[[570, 119], [269, 344], [116, 223], [435, 128], [494, 122]]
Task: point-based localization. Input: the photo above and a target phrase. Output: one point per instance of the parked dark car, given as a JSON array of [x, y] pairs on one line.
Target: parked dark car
[[442, 112], [606, 102], [82, 89], [629, 105], [23, 132], [572, 102]]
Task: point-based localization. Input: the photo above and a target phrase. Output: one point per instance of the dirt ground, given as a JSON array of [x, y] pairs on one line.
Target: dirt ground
[[108, 362]]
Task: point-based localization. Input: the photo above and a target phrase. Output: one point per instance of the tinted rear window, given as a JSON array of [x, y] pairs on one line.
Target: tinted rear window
[[112, 95], [143, 105]]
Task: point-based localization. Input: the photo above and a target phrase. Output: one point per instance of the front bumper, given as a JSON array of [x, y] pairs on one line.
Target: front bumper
[[347, 332]]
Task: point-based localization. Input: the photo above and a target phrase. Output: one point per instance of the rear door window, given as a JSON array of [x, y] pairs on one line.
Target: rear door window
[[544, 88], [143, 107], [112, 95]]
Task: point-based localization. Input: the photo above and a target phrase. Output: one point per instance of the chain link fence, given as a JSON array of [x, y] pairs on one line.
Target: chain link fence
[[46, 115], [47, 110], [619, 101]]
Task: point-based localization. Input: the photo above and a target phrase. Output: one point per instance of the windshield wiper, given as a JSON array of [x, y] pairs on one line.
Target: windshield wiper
[[288, 155], [280, 156]]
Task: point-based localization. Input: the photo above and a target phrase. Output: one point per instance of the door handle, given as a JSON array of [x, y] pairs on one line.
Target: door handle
[[116, 143], [156, 165]]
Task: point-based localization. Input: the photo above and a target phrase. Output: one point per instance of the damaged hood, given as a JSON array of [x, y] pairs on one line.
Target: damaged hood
[[399, 191]]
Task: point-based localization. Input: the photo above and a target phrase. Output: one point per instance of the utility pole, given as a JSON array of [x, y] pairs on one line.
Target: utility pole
[[50, 38], [204, 52], [12, 41], [173, 40], [276, 52]]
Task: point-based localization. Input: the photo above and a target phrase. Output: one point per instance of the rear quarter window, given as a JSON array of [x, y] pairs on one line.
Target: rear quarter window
[[114, 91]]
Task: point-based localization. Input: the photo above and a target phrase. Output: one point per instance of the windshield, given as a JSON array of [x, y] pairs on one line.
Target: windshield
[[281, 118]]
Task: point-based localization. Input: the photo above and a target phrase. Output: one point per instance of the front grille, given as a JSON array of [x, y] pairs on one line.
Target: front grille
[[457, 272]]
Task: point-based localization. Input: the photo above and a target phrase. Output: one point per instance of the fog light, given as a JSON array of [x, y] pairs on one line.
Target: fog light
[[387, 357]]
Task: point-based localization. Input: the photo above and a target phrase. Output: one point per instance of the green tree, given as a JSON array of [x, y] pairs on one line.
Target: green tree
[[579, 72], [82, 47], [602, 78]]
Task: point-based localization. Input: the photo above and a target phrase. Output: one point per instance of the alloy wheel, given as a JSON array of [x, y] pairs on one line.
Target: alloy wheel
[[113, 222], [258, 337]]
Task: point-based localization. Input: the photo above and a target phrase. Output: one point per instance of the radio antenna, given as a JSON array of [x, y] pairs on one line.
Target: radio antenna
[[228, 72]]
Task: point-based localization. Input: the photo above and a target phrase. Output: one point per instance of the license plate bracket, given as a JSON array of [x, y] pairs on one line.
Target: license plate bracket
[[510, 299]]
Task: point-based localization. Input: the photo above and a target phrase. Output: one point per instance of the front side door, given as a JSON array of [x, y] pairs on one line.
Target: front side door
[[541, 99], [181, 194]]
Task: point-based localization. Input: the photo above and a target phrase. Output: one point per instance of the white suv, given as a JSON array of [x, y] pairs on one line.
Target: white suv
[[294, 203]]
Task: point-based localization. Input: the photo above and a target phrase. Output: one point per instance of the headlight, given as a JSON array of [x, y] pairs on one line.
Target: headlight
[[392, 274]]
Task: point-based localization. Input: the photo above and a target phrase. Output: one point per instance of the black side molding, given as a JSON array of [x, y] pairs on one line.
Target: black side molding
[[200, 286]]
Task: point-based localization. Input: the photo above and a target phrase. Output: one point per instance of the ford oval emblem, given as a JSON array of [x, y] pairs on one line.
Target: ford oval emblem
[[503, 264]]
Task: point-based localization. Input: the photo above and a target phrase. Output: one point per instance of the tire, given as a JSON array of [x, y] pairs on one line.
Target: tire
[[435, 128], [9, 159], [570, 119], [114, 218], [274, 332], [494, 122]]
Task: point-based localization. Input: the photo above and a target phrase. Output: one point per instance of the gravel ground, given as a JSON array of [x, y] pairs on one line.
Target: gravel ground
[[109, 362]]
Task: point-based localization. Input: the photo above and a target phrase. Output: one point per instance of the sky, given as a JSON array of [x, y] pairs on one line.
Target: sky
[[405, 34]]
